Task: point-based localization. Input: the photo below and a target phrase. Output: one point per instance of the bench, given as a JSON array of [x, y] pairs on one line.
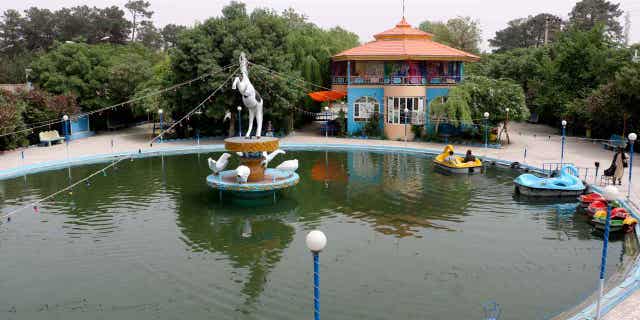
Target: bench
[[616, 141], [49, 137]]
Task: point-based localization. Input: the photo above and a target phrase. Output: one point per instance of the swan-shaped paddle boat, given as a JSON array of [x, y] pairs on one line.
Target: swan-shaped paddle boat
[[459, 166], [566, 184]]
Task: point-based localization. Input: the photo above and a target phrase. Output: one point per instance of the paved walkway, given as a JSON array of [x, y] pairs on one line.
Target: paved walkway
[[542, 144]]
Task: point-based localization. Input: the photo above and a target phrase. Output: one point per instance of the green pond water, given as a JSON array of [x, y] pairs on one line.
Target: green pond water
[[150, 240]]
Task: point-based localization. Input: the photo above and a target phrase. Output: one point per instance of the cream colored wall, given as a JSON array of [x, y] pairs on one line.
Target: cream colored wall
[[405, 91], [396, 131]]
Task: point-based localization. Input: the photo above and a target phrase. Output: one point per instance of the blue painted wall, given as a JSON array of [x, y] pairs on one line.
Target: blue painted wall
[[433, 93], [80, 124], [354, 94]]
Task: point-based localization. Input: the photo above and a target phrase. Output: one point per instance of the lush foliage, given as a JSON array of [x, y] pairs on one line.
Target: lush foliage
[[552, 77], [613, 107], [477, 95], [98, 75], [372, 127], [461, 32], [32, 108]]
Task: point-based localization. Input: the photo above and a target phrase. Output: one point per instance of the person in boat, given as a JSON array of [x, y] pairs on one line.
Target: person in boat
[[469, 157], [451, 158], [616, 170]]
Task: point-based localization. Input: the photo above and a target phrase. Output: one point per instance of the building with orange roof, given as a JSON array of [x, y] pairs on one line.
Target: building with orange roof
[[397, 75]]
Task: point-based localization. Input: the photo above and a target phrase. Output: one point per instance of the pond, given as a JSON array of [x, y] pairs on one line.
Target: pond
[[150, 240]]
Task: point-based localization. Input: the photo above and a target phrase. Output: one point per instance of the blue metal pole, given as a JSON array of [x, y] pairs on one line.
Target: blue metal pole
[[562, 151], [603, 261], [630, 168], [316, 286]]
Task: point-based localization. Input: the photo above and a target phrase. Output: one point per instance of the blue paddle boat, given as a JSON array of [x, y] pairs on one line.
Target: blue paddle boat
[[566, 184]]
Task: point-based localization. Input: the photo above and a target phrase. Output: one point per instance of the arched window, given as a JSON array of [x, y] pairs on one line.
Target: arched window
[[364, 108]]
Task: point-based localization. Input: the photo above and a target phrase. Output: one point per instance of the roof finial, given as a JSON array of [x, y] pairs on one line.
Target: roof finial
[[403, 9]]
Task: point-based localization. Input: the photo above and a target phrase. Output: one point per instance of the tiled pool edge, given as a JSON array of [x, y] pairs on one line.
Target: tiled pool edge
[[612, 298]]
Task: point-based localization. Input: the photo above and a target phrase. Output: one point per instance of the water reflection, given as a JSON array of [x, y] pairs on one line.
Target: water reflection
[[404, 241]]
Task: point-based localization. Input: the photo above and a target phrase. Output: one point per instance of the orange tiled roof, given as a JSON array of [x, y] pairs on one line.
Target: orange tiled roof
[[404, 42]]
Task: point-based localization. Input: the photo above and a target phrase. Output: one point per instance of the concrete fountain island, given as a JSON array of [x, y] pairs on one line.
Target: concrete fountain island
[[252, 177], [260, 178]]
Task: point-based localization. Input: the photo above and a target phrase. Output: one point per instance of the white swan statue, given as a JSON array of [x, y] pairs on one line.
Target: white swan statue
[[250, 97], [269, 156], [289, 165], [242, 174], [220, 164]]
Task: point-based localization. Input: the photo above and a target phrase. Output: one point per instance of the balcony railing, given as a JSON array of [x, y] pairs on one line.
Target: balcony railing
[[408, 81]]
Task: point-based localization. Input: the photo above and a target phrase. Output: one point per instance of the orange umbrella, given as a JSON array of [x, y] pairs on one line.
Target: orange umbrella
[[322, 96]]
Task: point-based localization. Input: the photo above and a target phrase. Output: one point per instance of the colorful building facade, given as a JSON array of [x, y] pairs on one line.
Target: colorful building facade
[[397, 76]]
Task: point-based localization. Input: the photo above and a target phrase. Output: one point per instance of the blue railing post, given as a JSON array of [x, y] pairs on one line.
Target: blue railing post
[[316, 241], [632, 140], [316, 286], [564, 125], [603, 260]]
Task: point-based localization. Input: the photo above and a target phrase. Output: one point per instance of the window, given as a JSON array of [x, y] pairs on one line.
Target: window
[[364, 108], [396, 110]]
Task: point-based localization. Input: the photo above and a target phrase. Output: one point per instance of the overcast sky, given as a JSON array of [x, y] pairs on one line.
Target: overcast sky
[[364, 17]]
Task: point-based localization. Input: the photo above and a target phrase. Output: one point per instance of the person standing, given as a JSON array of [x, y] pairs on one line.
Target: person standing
[[620, 162]]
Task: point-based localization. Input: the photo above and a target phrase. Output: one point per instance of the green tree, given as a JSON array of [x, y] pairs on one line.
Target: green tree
[[139, 9], [461, 33], [11, 31], [586, 14], [170, 34], [528, 32], [579, 62], [284, 43], [98, 75], [38, 28], [149, 35], [11, 109], [612, 105], [478, 95]]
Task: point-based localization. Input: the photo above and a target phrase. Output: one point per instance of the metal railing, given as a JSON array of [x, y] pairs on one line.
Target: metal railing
[[584, 173], [398, 80]]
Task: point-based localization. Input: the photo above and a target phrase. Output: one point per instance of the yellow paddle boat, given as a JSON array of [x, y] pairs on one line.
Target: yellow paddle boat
[[457, 166]]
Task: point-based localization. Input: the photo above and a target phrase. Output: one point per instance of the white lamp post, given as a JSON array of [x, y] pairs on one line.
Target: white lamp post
[[632, 140], [564, 126], [610, 193], [239, 121], [316, 241], [160, 112], [65, 128], [65, 120], [326, 125], [406, 118], [486, 129]]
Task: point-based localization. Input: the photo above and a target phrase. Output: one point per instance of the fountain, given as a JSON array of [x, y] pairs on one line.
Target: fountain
[[253, 177]]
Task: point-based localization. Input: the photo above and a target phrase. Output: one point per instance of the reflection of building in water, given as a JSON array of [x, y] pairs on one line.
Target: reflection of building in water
[[363, 167], [405, 183], [402, 173]]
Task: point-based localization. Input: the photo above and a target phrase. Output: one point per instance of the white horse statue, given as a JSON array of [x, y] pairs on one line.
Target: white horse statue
[[250, 97]]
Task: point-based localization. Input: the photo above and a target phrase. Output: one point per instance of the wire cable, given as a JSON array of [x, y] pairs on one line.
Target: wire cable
[[34, 204], [173, 87]]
